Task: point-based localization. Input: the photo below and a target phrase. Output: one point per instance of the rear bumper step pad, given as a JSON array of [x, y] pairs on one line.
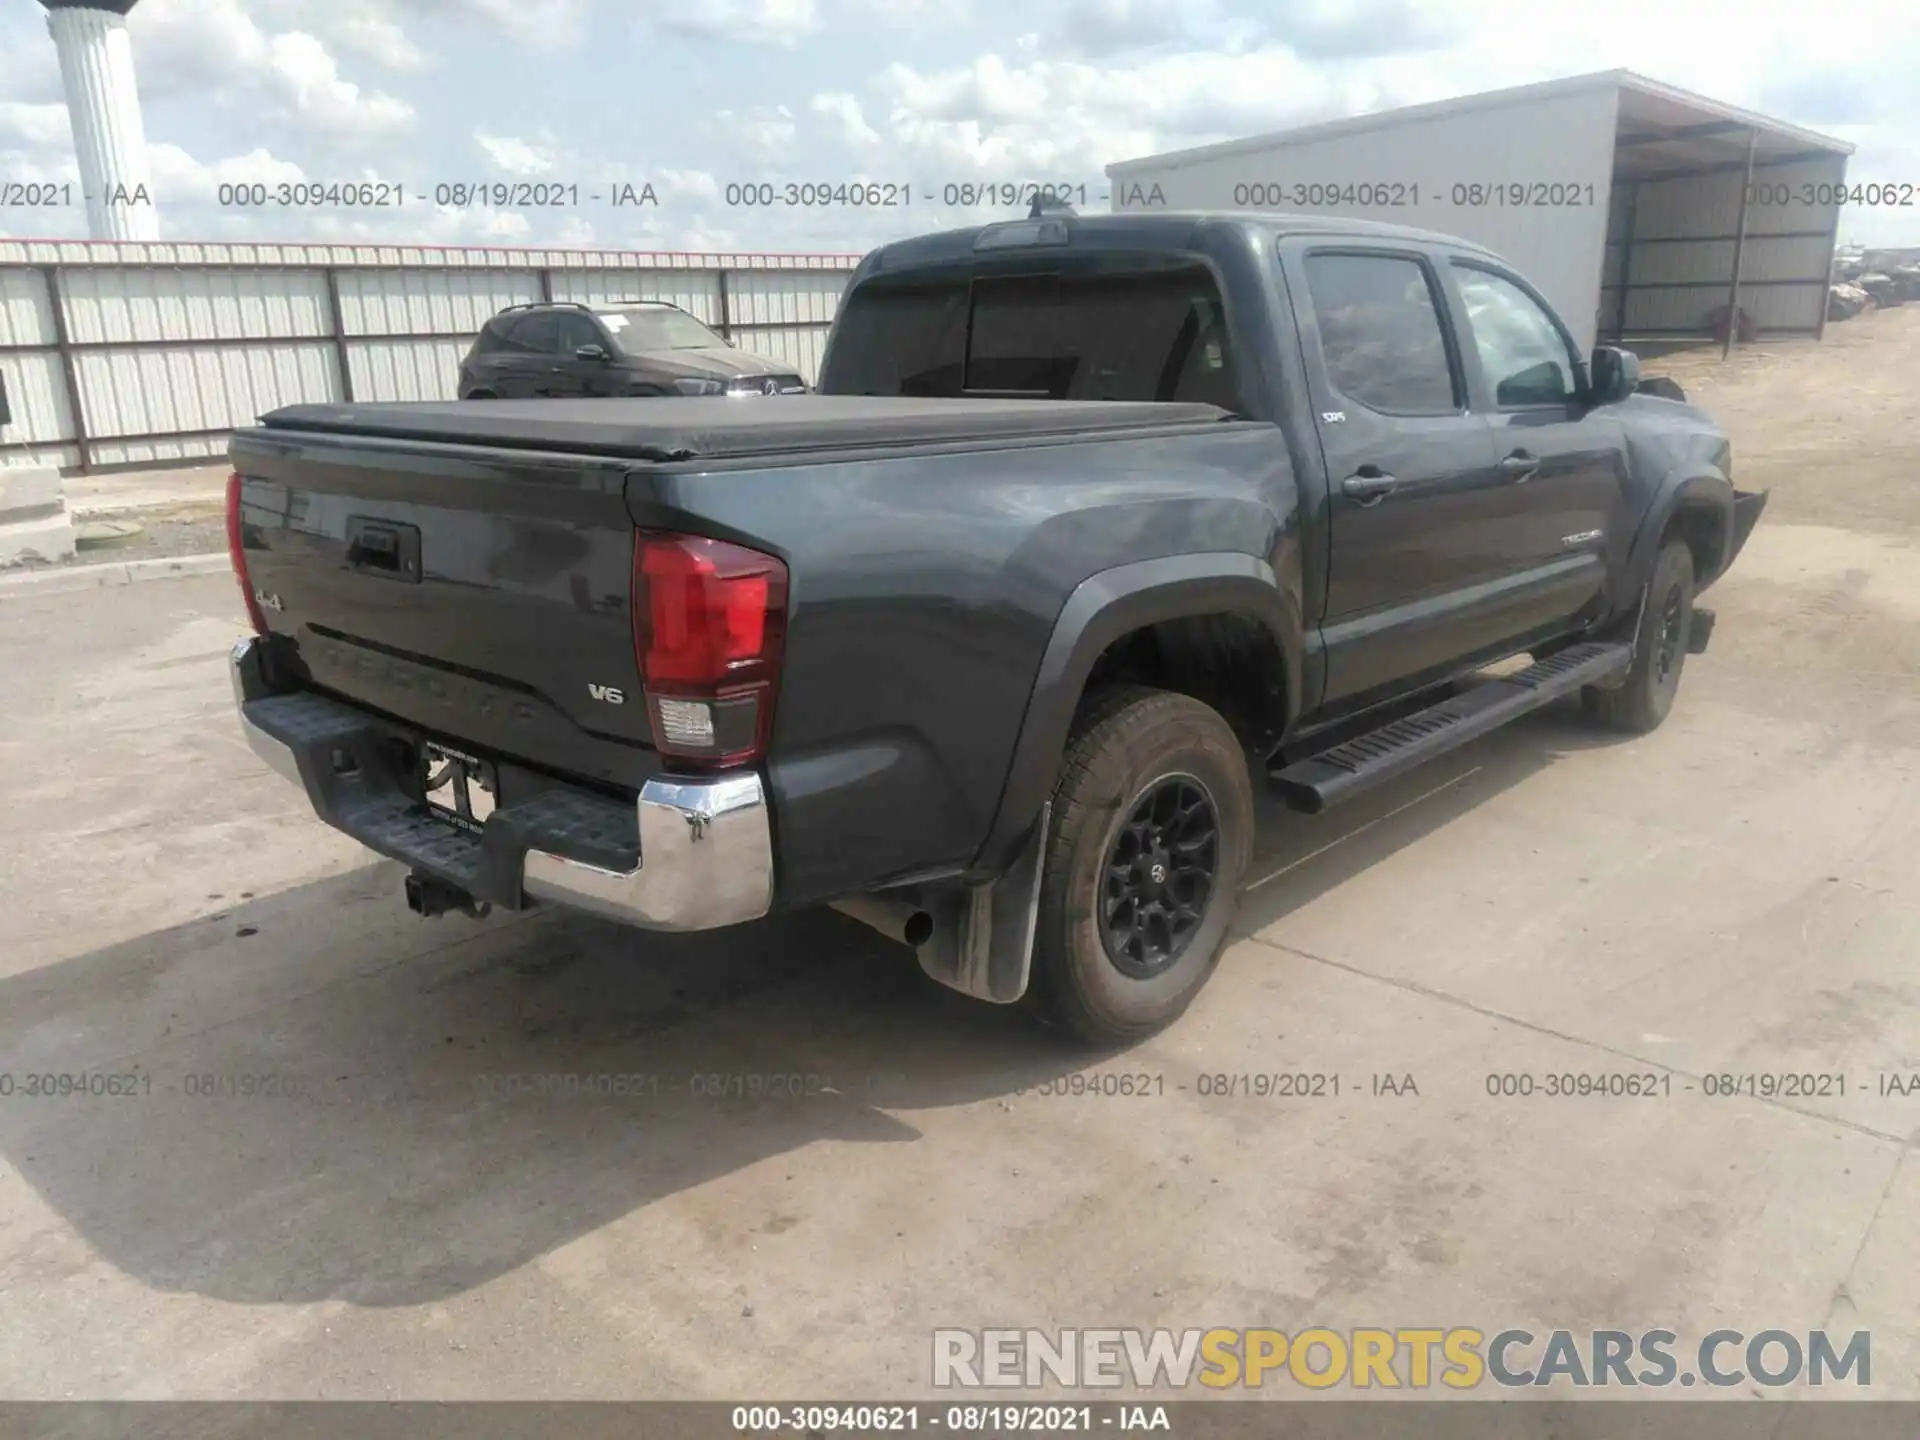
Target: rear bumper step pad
[[688, 853], [347, 762]]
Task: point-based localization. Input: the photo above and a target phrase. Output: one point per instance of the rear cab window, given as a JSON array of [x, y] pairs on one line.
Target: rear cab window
[[1115, 332]]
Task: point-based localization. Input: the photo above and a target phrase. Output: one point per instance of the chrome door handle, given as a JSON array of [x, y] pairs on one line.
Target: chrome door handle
[[1368, 489], [1520, 466]]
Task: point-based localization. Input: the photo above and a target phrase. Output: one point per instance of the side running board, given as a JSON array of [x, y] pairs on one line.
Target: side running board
[[1365, 761]]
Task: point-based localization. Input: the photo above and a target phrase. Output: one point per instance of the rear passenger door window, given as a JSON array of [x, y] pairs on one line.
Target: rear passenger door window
[[536, 333], [1525, 358], [1380, 333]]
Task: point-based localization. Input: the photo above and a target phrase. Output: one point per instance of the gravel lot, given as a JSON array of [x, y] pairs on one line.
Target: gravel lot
[[1738, 893]]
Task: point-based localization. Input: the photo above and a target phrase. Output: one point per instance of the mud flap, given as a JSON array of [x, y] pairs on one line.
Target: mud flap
[[1747, 505], [1700, 632], [982, 941]]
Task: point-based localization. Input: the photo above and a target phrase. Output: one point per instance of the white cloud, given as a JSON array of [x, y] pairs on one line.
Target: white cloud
[[515, 156], [36, 148], [914, 15], [762, 134], [31, 74], [993, 115], [541, 24], [195, 48], [366, 29], [576, 232], [212, 50], [373, 30], [1347, 30], [847, 116], [181, 180], [679, 185], [751, 22], [34, 126], [1107, 27], [319, 97], [37, 167], [503, 226]]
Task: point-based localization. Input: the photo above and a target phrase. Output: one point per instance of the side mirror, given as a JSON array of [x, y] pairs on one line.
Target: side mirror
[[591, 352], [1615, 374]]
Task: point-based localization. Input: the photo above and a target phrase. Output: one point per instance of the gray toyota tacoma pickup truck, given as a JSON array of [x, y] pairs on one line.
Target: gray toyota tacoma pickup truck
[[1095, 523]]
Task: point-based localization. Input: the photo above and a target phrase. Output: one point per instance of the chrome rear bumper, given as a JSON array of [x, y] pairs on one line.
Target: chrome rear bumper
[[706, 860], [701, 847]]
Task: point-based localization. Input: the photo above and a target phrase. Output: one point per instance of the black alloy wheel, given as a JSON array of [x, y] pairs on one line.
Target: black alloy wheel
[[1673, 632], [1159, 875], [1153, 824], [1660, 639]]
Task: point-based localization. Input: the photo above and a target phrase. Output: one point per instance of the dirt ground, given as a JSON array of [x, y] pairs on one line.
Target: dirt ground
[[384, 1215], [1832, 430], [1795, 407]]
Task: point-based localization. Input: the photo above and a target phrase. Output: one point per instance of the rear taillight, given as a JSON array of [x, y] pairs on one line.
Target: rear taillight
[[237, 552], [709, 624]]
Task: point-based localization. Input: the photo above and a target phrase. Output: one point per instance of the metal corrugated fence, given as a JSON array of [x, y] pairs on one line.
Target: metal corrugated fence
[[119, 353]]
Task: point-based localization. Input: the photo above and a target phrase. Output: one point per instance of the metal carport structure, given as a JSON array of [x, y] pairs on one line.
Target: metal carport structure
[[1641, 210], [1713, 206]]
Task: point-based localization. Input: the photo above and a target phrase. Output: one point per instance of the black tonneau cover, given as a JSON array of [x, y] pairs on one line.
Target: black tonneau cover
[[691, 428]]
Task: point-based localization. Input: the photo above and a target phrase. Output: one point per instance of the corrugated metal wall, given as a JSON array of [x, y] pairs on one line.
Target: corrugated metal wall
[[127, 353], [1674, 241]]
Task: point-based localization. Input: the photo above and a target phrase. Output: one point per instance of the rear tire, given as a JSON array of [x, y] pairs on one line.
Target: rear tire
[[1659, 650], [1153, 826]]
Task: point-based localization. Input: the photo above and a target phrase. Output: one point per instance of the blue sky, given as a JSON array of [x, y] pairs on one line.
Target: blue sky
[[693, 97]]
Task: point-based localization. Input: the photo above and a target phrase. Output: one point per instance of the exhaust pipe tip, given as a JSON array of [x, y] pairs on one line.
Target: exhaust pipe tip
[[917, 929], [898, 920]]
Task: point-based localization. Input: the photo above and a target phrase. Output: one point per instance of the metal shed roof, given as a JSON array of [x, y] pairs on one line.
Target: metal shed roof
[[1662, 129]]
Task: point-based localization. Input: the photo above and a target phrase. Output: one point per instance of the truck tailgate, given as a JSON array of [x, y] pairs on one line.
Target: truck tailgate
[[481, 596]]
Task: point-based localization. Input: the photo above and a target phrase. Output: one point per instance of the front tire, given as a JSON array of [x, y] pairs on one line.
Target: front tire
[[1153, 827], [1659, 649]]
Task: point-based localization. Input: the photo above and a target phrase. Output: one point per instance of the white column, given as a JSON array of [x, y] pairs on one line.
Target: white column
[[96, 65]]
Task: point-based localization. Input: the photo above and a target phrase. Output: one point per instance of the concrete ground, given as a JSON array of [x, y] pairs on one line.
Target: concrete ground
[[174, 511], [1738, 893], [167, 488]]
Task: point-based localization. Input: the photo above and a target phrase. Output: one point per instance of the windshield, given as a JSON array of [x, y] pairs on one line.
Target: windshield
[[642, 331]]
